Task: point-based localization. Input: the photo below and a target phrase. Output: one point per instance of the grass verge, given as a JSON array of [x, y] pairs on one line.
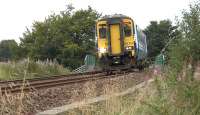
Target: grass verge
[[30, 69]]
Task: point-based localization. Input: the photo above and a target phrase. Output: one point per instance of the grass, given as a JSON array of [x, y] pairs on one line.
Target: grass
[[159, 98], [19, 104], [124, 105], [23, 103], [13, 104], [29, 69]]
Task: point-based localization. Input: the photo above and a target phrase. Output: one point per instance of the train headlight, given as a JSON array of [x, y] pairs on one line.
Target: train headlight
[[102, 50], [129, 48]]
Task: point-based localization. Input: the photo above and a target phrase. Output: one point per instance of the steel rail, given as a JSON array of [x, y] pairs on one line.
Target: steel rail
[[58, 81], [45, 77]]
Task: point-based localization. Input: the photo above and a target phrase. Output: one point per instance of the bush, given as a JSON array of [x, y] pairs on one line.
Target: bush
[[30, 69]]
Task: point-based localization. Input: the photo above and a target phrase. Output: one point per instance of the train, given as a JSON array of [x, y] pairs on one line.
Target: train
[[121, 44]]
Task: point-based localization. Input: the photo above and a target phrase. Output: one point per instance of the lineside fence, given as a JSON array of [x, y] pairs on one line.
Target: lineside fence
[[89, 65]]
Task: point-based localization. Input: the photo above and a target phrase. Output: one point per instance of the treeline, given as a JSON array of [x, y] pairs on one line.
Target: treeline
[[67, 37]]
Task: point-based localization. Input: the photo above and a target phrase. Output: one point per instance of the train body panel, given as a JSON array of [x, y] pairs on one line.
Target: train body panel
[[141, 44], [115, 39], [120, 42]]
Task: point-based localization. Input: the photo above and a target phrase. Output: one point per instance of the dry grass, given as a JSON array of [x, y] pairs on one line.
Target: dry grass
[[159, 98], [23, 104], [13, 104], [17, 70], [130, 104]]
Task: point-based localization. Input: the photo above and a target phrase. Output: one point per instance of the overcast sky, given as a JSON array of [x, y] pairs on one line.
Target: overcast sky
[[16, 15]]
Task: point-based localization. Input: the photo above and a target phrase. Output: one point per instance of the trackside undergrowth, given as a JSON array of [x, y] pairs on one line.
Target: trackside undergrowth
[[30, 69]]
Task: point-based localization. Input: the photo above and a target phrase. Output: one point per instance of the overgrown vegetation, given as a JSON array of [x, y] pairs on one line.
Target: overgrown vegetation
[[179, 91], [30, 69], [131, 104]]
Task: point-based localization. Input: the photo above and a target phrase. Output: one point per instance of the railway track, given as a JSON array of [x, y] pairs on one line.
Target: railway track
[[16, 86]]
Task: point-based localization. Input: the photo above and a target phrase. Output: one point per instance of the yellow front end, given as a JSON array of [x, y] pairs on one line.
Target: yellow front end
[[129, 36], [102, 38], [115, 38]]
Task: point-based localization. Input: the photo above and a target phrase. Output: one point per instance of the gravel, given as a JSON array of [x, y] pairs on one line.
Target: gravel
[[44, 99]]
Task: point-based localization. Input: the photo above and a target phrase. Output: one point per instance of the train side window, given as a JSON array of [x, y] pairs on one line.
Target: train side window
[[102, 32], [133, 29], [127, 30]]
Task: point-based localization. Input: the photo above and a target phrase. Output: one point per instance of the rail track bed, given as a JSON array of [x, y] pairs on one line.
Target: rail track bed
[[17, 86], [44, 96]]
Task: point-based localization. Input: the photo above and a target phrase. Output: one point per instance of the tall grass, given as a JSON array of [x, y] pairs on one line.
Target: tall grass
[[13, 104], [124, 105], [17, 70], [159, 98]]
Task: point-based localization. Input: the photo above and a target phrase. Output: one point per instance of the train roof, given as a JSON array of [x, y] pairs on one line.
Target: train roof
[[114, 16]]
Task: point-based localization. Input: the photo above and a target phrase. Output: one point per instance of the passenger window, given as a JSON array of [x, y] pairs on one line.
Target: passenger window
[[102, 32], [127, 30]]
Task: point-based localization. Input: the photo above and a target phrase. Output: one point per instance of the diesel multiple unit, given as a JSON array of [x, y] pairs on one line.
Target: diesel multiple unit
[[120, 43]]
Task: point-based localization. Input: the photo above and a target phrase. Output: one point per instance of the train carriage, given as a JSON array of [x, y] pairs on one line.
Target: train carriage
[[120, 42]]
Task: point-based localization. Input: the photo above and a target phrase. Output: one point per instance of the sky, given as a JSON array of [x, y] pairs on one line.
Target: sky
[[17, 15]]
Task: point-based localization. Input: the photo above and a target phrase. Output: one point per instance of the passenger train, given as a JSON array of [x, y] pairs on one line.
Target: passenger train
[[120, 42]]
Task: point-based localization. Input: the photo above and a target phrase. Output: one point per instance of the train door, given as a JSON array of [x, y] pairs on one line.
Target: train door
[[115, 39]]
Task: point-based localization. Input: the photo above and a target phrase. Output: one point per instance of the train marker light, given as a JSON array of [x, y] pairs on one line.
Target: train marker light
[[102, 50]]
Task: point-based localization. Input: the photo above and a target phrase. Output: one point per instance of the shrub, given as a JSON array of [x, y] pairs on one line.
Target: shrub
[[30, 69]]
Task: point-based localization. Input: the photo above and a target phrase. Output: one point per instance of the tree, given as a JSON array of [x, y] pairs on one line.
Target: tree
[[190, 28], [158, 34], [66, 37], [8, 50]]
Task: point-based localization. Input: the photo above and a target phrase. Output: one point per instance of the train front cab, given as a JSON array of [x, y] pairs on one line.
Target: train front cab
[[115, 40]]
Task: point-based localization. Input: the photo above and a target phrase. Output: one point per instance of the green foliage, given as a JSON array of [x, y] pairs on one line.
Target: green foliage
[[30, 69], [186, 49], [158, 34], [66, 37], [9, 50], [179, 92], [190, 27]]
